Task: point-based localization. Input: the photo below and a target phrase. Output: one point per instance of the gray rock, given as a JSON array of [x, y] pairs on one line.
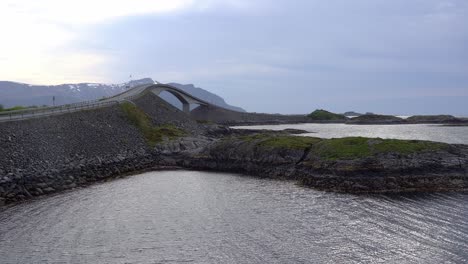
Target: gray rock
[[42, 185], [49, 190]]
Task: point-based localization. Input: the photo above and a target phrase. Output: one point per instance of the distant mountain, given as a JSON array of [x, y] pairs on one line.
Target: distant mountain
[[13, 93]]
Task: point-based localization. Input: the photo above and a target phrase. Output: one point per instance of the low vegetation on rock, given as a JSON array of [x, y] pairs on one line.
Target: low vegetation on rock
[[153, 134], [282, 141], [352, 113], [323, 115], [433, 119], [376, 119], [344, 148], [15, 108], [360, 147]]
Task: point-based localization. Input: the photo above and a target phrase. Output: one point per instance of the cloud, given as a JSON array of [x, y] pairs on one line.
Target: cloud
[[80, 12], [38, 37], [87, 11], [322, 51]]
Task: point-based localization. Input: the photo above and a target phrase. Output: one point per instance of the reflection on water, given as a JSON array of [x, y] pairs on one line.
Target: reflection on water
[[447, 134], [199, 217]]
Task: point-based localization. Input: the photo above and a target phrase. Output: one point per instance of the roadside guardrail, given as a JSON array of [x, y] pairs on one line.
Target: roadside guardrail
[[46, 111]]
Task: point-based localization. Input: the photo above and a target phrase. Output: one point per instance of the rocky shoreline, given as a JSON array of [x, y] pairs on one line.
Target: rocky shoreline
[[426, 170], [53, 154]]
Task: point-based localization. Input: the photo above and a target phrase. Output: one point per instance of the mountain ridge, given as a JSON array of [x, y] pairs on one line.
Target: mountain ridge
[[23, 94]]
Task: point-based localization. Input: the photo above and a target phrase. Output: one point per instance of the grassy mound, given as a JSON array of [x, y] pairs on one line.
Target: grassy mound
[[345, 148], [15, 108], [359, 147], [152, 134], [323, 115], [283, 141], [375, 119], [432, 118]]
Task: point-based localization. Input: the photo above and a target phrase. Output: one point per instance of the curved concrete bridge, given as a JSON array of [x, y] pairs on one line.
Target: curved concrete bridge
[[185, 98]]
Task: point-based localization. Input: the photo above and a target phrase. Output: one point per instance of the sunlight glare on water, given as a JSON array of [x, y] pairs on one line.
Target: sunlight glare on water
[[447, 134], [200, 217]]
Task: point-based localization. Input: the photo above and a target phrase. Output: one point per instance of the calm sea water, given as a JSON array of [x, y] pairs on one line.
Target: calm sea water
[[453, 135], [199, 217]]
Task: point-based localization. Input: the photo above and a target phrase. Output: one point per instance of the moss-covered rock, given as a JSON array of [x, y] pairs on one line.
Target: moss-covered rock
[[281, 141], [376, 119], [431, 119], [342, 148], [323, 115], [360, 147]]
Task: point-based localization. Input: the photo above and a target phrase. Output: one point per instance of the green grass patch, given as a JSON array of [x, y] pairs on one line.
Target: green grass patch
[[254, 137], [375, 118], [15, 108], [359, 147], [344, 148], [153, 134], [289, 142], [280, 141], [408, 146], [324, 115]]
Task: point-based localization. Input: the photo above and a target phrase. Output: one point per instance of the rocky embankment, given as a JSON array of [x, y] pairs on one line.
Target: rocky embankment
[[50, 154], [60, 152], [46, 155]]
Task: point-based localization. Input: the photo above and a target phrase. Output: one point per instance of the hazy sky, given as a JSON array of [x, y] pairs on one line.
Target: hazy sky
[[288, 56]]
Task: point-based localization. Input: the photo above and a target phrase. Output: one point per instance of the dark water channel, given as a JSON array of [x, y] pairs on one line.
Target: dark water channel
[[199, 217]]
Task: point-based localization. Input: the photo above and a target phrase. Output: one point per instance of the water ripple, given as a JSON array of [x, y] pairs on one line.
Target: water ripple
[[199, 217]]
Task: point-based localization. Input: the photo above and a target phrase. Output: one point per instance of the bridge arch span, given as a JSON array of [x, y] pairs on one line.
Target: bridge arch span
[[185, 98], [174, 98]]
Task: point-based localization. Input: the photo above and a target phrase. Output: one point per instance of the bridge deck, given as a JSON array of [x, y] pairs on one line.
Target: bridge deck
[[130, 94]]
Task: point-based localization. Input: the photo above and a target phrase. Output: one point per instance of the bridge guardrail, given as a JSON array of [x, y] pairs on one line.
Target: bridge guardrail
[[47, 108], [72, 105], [31, 113]]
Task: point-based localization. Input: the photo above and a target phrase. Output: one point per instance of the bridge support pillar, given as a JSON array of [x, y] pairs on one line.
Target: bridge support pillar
[[186, 108]]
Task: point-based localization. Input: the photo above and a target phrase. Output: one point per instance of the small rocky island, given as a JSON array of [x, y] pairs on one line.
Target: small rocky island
[[55, 153], [374, 119], [353, 164], [323, 116]]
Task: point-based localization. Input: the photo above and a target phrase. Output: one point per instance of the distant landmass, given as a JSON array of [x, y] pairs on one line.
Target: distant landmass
[[352, 113], [14, 93], [202, 94]]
